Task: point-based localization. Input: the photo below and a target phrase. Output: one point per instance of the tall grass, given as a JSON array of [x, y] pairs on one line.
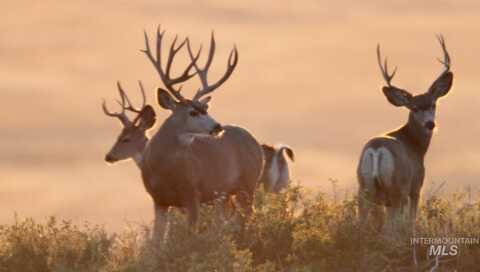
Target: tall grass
[[296, 230]]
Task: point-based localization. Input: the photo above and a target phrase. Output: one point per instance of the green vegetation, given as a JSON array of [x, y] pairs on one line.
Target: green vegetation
[[292, 231]]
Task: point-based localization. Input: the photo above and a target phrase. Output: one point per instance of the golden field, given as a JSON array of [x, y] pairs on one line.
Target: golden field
[[307, 76]]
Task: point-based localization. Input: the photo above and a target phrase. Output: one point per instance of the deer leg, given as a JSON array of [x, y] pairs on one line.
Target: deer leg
[[245, 201], [161, 224], [225, 204], [406, 209], [364, 206], [413, 210], [401, 204], [244, 193], [378, 214], [414, 199], [391, 218], [192, 205], [228, 206]]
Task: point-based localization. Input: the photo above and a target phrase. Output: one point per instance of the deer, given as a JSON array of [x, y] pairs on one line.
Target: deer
[[276, 174], [391, 168], [191, 158]]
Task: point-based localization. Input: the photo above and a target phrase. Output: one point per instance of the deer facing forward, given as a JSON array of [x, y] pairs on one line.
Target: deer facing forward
[[191, 158], [391, 168]]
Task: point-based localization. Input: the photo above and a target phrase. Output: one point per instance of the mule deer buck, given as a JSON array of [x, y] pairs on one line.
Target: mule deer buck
[[191, 158], [276, 174], [391, 168]]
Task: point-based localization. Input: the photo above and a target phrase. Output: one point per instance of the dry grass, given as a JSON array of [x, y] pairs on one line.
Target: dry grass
[[293, 231]]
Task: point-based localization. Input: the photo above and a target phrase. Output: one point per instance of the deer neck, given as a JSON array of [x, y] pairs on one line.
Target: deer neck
[[414, 136], [170, 136], [138, 157]]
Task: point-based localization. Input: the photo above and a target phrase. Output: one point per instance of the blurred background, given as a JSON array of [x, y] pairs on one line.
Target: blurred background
[[307, 76]]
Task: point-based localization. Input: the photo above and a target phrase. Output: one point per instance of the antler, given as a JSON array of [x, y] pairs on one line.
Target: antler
[[125, 98], [126, 104], [446, 57], [384, 68], [203, 72], [157, 63]]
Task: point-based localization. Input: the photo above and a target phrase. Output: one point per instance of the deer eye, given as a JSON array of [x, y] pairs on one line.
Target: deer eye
[[194, 113], [415, 109], [125, 140]]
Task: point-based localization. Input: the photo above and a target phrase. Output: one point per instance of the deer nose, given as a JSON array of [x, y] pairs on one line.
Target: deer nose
[[430, 125], [216, 129], [109, 158]]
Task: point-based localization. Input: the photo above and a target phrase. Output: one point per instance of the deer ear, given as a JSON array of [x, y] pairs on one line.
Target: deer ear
[[147, 118], [165, 100], [206, 100], [289, 152], [442, 85], [268, 148], [397, 97]]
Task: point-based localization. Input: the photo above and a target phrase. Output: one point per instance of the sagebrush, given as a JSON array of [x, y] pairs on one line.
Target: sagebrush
[[295, 230]]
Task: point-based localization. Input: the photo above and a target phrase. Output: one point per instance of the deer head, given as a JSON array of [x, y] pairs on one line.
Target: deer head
[[189, 115], [132, 138], [423, 106]]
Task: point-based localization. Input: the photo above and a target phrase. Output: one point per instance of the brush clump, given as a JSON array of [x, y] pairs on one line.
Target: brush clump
[[295, 230]]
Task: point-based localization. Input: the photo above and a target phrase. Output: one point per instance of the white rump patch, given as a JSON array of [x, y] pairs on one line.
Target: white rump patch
[[369, 163], [273, 172], [278, 175], [284, 174], [386, 165], [377, 163]]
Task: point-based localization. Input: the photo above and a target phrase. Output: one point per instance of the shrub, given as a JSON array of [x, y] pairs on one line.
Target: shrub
[[295, 230], [53, 246]]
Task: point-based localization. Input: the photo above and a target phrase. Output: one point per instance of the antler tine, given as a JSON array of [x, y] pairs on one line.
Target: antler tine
[[186, 75], [107, 112], [157, 63], [232, 62], [446, 57], [199, 72], [203, 72], [159, 47], [157, 60], [120, 115], [126, 103], [123, 96], [211, 52], [173, 51], [144, 97], [384, 68]]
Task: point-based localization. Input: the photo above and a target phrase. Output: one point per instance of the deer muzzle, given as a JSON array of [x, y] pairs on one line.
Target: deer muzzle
[[217, 129], [430, 125], [110, 159]]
